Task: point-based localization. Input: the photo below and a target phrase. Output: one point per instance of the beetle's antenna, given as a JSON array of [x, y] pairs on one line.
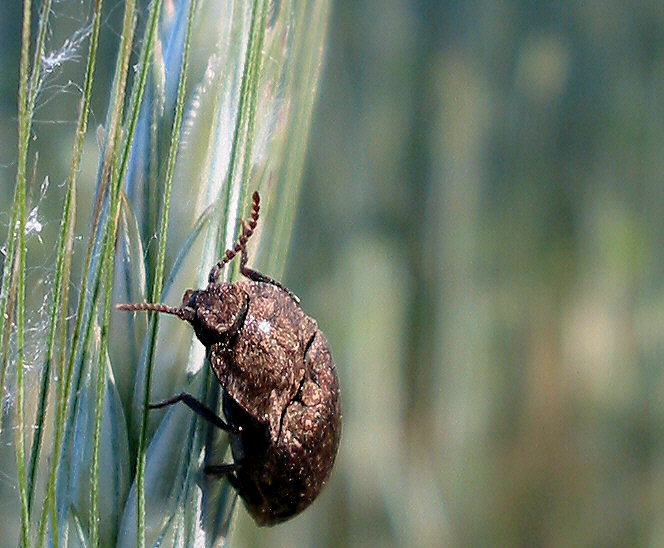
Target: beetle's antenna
[[247, 230], [182, 313]]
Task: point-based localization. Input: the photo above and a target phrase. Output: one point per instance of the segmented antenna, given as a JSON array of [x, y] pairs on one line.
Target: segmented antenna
[[181, 313], [248, 228]]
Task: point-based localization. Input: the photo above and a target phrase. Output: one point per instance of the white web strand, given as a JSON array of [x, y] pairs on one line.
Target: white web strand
[[54, 60], [52, 64]]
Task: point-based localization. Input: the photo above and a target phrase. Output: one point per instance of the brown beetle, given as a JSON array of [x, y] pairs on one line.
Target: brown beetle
[[280, 389]]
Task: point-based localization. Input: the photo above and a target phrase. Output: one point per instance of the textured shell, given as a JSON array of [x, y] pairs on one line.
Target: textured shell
[[281, 387]]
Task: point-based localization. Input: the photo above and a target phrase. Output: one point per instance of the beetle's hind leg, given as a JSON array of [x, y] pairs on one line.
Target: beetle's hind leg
[[224, 470]]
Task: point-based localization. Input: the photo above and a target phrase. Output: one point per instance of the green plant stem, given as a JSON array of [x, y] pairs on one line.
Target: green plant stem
[[253, 66], [65, 371], [107, 275], [65, 245], [24, 118], [248, 92], [158, 277], [118, 169], [8, 290]]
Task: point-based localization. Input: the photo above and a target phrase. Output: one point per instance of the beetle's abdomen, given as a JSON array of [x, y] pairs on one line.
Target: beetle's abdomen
[[295, 403]]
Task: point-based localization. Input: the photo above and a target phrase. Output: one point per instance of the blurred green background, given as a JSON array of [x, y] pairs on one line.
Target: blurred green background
[[480, 238]]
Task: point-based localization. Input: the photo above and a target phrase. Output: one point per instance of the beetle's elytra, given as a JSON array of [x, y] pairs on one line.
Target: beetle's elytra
[[280, 388]]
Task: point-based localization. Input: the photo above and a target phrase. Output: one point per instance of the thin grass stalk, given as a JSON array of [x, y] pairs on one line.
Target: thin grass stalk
[[8, 295], [249, 81], [29, 108], [138, 88], [9, 311], [67, 360], [290, 173], [24, 119], [100, 274], [172, 154], [112, 145], [110, 173], [67, 226], [159, 275], [20, 389], [107, 275], [110, 152], [254, 64], [5, 316], [65, 244], [8, 289], [117, 176], [151, 204]]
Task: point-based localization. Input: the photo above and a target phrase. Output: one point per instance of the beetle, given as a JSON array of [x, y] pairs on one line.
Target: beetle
[[280, 391]]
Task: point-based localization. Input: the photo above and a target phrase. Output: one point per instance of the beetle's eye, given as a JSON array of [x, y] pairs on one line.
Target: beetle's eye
[[189, 297]]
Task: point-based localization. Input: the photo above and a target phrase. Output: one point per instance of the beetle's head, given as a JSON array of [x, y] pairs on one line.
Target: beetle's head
[[216, 313]]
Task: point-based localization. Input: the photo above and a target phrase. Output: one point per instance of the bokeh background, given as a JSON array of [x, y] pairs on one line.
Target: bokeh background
[[480, 237]]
